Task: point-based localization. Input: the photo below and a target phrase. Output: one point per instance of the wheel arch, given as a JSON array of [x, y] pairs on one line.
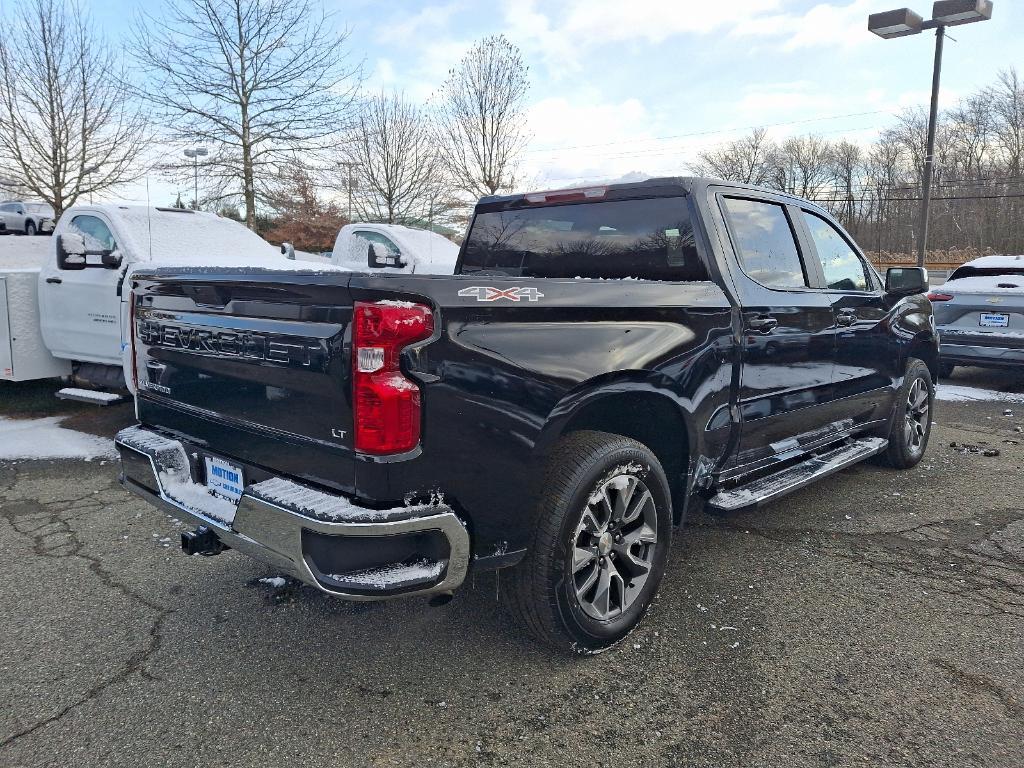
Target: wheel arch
[[636, 406]]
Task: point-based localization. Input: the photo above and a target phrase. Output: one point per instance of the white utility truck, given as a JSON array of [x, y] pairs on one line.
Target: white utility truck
[[61, 307], [394, 248]]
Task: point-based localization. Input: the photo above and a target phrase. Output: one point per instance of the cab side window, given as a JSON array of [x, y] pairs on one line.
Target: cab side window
[[96, 233], [844, 269], [765, 243], [377, 237]]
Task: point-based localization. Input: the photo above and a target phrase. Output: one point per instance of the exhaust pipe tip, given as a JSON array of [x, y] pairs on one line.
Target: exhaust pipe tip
[[441, 598]]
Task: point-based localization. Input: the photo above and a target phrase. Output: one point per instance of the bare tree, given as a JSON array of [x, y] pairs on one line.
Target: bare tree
[[480, 117], [803, 166], [398, 168], [847, 161], [261, 81], [1008, 103], [748, 160], [68, 124]]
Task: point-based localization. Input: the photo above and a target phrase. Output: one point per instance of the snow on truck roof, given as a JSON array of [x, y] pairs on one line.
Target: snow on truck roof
[[176, 236]]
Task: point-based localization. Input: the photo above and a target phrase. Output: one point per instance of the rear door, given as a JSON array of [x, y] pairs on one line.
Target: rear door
[[785, 389], [867, 357]]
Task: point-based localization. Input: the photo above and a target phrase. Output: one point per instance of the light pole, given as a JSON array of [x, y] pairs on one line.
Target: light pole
[[89, 172], [196, 154], [349, 165], [902, 22]]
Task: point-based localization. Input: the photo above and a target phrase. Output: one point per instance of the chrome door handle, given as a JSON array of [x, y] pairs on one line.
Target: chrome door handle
[[846, 318], [762, 324]]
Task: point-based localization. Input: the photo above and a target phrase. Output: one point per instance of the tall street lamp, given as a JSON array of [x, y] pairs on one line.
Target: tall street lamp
[[902, 22], [196, 154], [89, 172]]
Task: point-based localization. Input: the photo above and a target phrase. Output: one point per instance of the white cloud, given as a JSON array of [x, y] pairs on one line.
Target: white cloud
[[412, 28], [827, 25]]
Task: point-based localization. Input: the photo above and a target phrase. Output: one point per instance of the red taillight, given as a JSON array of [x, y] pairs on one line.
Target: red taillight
[[386, 405], [936, 296]]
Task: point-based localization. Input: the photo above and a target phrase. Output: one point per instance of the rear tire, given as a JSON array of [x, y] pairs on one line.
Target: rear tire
[[912, 421], [946, 370], [30, 228], [601, 535]]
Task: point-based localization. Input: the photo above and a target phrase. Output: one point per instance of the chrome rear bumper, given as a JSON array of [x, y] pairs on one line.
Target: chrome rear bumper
[[294, 527]]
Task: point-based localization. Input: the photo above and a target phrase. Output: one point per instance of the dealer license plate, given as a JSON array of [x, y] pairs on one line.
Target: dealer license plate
[[224, 478], [994, 320]]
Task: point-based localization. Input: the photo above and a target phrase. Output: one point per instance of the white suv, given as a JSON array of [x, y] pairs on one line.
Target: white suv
[[27, 218]]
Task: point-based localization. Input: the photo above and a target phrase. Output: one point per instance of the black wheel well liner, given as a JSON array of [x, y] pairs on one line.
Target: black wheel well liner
[[648, 418], [923, 347]]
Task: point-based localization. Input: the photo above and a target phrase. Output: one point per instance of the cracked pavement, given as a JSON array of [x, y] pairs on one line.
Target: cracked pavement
[[874, 619]]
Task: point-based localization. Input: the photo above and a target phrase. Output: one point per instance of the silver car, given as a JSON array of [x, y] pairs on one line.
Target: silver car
[[27, 218], [979, 314]]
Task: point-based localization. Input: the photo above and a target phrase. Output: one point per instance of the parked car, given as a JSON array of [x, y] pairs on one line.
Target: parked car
[[27, 218], [393, 248], [64, 316], [603, 362], [979, 314]]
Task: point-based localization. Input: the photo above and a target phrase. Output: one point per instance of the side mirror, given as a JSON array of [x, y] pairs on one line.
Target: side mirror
[[111, 259], [379, 257], [906, 281], [288, 251], [70, 251]]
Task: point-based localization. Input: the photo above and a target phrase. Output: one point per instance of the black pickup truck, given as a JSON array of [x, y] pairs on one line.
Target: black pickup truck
[[603, 361]]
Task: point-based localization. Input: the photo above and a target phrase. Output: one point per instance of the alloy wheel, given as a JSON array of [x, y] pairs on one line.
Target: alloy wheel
[[613, 546], [915, 427]]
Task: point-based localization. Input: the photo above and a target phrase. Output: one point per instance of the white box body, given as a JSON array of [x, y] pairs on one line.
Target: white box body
[[23, 355]]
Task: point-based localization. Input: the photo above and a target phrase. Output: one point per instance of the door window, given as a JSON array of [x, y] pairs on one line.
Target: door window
[[96, 233], [377, 237], [844, 269], [765, 243]]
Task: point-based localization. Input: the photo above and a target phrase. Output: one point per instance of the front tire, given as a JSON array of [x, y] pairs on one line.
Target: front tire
[[601, 536], [30, 228], [912, 421]]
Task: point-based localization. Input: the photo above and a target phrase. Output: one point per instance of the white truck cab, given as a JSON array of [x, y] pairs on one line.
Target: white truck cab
[[394, 248], [73, 322]]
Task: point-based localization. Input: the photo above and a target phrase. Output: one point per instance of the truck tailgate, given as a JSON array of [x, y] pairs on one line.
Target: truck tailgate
[[251, 362]]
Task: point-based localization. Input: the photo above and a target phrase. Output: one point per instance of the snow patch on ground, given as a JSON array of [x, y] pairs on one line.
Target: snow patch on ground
[[275, 581], [960, 394], [46, 439]]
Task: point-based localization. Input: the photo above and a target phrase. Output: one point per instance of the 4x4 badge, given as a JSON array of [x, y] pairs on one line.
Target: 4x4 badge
[[487, 293]]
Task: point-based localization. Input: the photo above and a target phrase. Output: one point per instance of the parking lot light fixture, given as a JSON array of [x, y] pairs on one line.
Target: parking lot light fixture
[[902, 22], [195, 154]]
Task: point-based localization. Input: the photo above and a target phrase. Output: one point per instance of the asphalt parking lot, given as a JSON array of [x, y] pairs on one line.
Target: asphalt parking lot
[[872, 620]]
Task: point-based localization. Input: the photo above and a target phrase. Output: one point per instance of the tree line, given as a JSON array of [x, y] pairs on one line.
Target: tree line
[[271, 90], [297, 146], [875, 190]]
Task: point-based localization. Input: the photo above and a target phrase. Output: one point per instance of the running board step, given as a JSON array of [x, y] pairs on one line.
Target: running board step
[[772, 487], [91, 396]]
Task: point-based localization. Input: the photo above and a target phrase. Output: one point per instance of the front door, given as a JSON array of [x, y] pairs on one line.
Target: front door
[[788, 342], [80, 309], [866, 362]]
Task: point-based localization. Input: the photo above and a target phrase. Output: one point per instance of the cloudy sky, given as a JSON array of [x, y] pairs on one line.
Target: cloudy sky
[[642, 85]]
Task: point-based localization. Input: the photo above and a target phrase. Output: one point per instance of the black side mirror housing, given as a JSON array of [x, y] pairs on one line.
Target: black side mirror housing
[[906, 281], [379, 257], [111, 259], [70, 259]]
